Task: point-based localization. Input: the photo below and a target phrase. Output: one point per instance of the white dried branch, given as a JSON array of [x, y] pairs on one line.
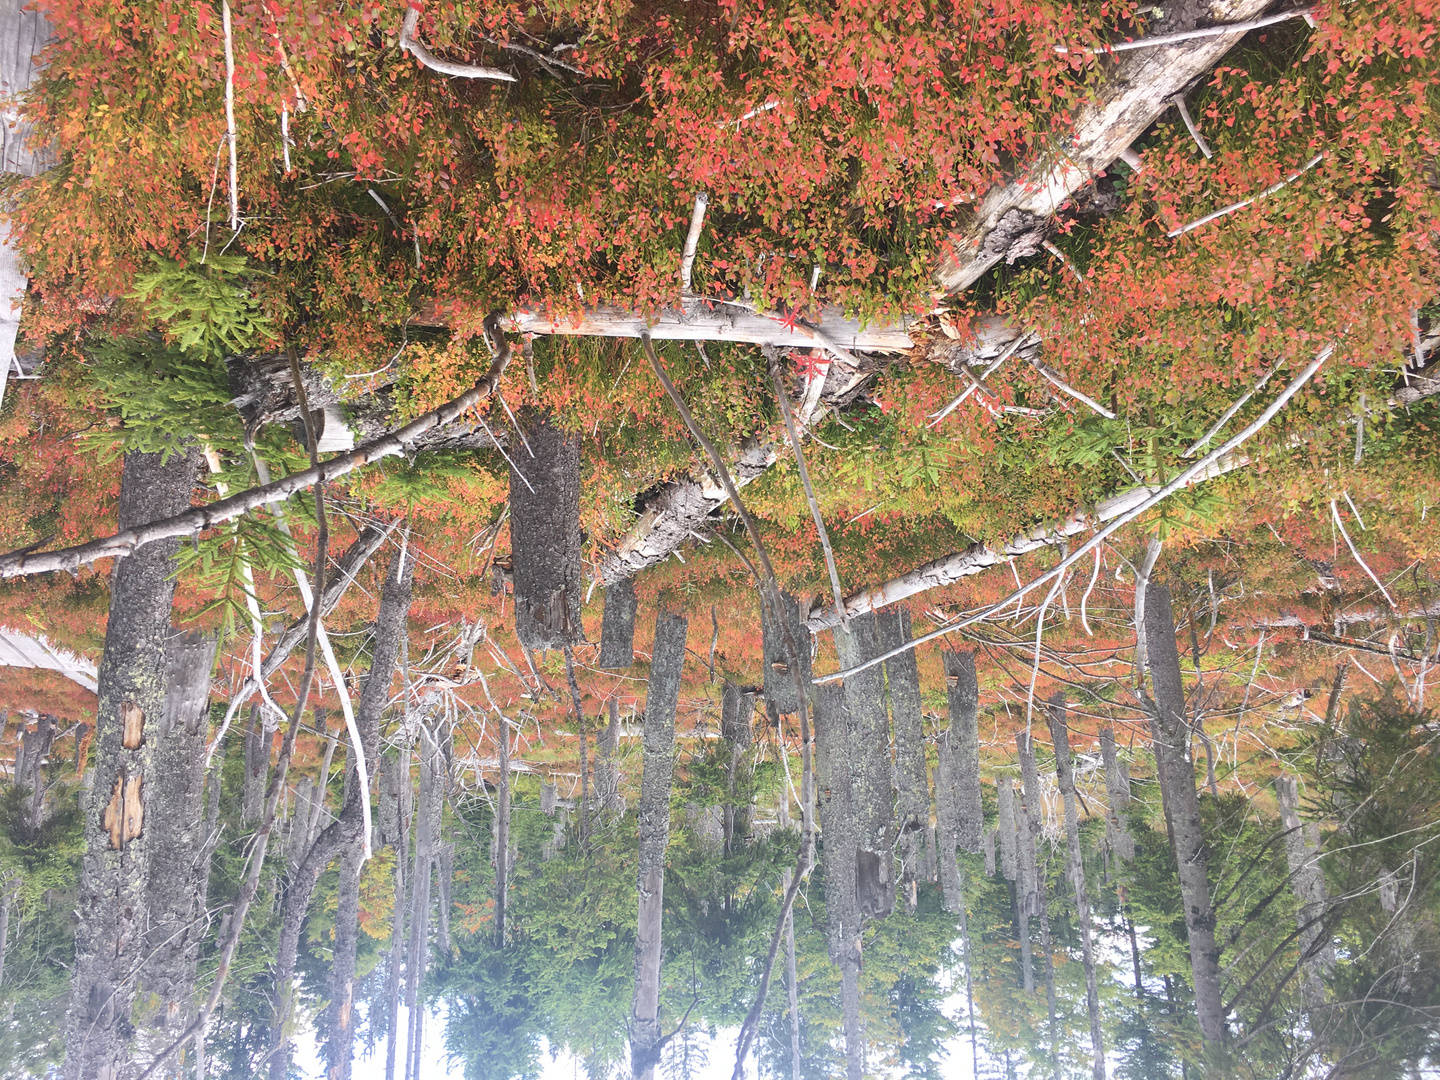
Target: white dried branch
[[1335, 514], [1184, 110], [1189, 35], [692, 240], [1243, 203], [410, 43], [1054, 377]]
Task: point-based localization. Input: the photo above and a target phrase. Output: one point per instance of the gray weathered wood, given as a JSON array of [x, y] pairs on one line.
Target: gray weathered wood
[[963, 690], [1176, 773], [1065, 778], [1307, 883], [872, 791], [779, 682], [1117, 787], [1005, 797], [617, 630], [912, 790], [667, 664]]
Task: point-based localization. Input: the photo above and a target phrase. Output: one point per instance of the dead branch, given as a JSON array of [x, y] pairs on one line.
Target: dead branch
[[412, 44]]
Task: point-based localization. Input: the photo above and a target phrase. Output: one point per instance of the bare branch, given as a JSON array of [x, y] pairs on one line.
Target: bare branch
[[1054, 377], [692, 240], [1271, 190], [1190, 35], [1335, 514], [1184, 110], [412, 44], [197, 519]]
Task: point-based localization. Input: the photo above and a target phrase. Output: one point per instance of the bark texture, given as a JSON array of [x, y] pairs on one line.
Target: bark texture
[[779, 682], [1117, 787], [617, 631], [963, 690], [663, 694], [912, 791], [607, 763], [1176, 774], [545, 535], [1013, 219], [737, 707], [110, 929], [1065, 777], [1307, 883], [175, 886], [1031, 897], [872, 792]]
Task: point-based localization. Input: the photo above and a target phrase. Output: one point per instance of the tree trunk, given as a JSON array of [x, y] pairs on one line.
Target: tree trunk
[[666, 666], [1013, 218], [502, 835], [31, 753], [175, 891], [8, 887], [1009, 853], [402, 793], [779, 682], [1176, 775], [736, 710], [109, 938], [1065, 777], [963, 689], [257, 768], [947, 826], [607, 766], [617, 630], [1307, 882], [390, 627], [1117, 786], [545, 535], [912, 788], [872, 795], [1032, 890], [428, 813], [792, 983]]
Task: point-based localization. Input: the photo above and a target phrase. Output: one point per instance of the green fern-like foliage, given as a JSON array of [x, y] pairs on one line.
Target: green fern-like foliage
[[205, 307]]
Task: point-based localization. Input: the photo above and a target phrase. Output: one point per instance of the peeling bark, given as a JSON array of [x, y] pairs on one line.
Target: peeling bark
[[1176, 773], [663, 694], [110, 930], [1012, 219]]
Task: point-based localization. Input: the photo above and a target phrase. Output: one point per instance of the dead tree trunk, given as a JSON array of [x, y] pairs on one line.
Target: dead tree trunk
[[1307, 882], [109, 937], [1176, 774], [1065, 777], [607, 766], [912, 790], [666, 666], [963, 689], [1117, 787], [32, 752], [947, 824], [257, 768], [402, 793], [390, 626], [617, 631], [174, 893], [872, 795], [834, 778], [779, 683], [427, 832], [545, 535], [1027, 826], [502, 835], [1009, 854], [736, 710]]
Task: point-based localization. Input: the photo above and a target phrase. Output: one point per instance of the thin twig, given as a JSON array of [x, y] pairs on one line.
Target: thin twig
[[1009, 351], [1204, 440], [1179, 102], [1094, 575], [1335, 513], [513, 423], [1188, 35], [1054, 377], [1271, 190], [1159, 496]]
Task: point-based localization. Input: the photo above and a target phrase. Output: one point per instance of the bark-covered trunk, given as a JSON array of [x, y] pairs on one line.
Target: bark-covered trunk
[[607, 764], [502, 835], [401, 792], [792, 983], [8, 887], [1117, 787], [947, 825], [32, 751], [1307, 883], [1009, 854], [545, 534], [257, 768], [1065, 777], [834, 778], [663, 694], [779, 682], [174, 893], [963, 689], [110, 928], [1176, 774], [912, 790], [390, 626], [736, 709], [428, 814], [1027, 834], [617, 629], [872, 794]]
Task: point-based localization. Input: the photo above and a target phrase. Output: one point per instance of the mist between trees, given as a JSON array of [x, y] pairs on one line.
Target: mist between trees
[[874, 542]]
